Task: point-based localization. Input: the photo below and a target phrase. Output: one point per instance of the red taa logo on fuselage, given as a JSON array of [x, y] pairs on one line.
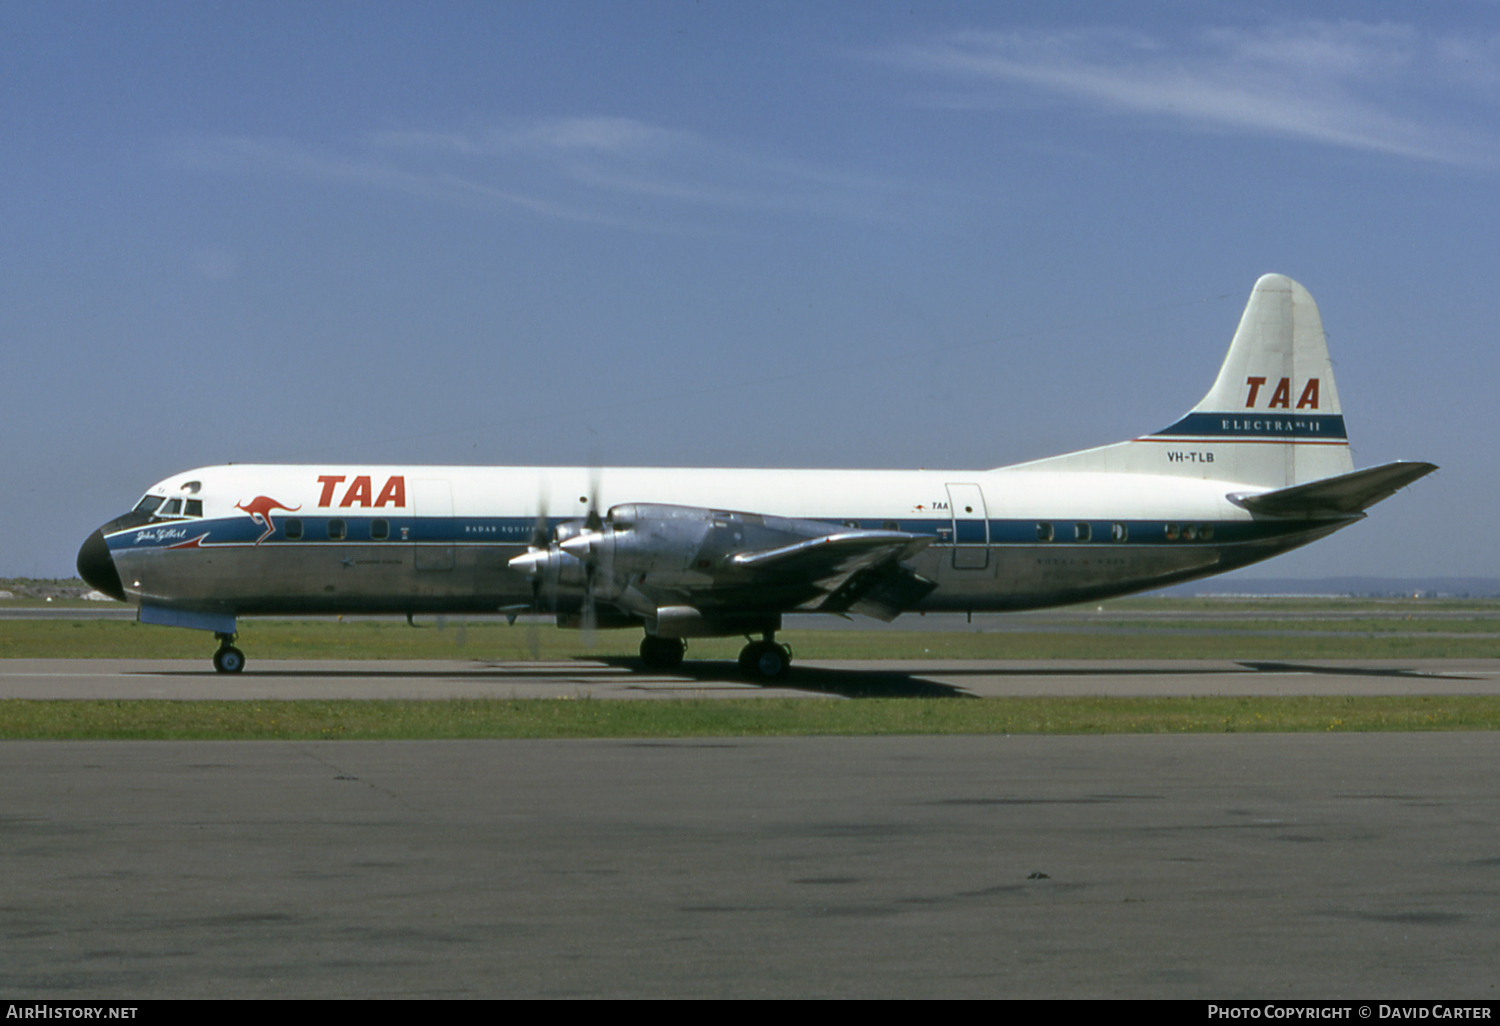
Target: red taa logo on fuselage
[[260, 512], [1281, 397], [358, 492]]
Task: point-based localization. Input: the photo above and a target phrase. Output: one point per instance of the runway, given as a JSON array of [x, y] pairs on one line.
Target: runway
[[619, 679], [1357, 866], [1264, 866]]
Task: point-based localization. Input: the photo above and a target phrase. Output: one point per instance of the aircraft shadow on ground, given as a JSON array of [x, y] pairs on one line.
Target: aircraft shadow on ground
[[625, 671], [1350, 671], [913, 682], [822, 680]]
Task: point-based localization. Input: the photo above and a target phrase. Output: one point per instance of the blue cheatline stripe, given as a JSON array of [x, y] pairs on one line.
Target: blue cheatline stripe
[[1257, 425], [516, 531]]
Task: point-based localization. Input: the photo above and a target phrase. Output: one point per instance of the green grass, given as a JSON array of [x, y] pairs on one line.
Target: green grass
[[551, 718], [1267, 630], [1299, 604], [1357, 625]]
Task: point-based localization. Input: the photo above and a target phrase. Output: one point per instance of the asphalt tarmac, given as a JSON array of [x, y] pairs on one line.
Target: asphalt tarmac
[[1360, 866], [620, 678]]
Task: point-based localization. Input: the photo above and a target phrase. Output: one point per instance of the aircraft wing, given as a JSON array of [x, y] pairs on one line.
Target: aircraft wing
[[845, 550], [851, 571], [1345, 495]]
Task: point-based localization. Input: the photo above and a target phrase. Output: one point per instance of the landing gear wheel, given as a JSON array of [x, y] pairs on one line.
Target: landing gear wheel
[[765, 660], [229, 659], [662, 653]]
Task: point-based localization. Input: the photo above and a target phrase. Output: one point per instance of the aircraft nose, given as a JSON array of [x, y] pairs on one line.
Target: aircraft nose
[[97, 567]]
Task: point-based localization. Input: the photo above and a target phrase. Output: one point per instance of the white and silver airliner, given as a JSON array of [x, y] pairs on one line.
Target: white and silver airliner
[[1260, 466]]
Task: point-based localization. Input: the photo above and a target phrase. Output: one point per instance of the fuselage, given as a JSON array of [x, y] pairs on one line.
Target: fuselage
[[263, 539]]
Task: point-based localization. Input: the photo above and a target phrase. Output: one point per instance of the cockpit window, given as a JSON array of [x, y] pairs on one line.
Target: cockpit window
[[148, 504], [173, 508], [193, 507]]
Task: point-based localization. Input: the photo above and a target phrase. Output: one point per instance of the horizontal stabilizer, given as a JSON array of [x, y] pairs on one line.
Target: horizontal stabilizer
[[1345, 495]]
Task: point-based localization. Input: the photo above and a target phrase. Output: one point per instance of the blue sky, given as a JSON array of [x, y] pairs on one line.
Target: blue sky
[[732, 234]]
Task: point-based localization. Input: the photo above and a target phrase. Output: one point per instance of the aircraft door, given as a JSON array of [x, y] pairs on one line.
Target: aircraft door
[[432, 504], [971, 527]]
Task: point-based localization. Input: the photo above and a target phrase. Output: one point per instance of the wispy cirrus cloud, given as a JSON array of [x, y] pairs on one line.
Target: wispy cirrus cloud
[[1383, 87], [359, 165], [607, 170], [546, 138]]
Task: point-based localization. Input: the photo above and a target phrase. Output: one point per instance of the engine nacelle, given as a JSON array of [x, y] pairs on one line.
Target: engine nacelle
[[550, 566], [688, 622], [659, 541]]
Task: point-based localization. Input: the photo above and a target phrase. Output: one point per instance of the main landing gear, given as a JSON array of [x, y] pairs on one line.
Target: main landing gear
[[662, 653], [759, 660], [228, 659], [765, 660]]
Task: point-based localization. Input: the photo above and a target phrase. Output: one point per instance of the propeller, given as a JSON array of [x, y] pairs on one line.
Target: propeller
[[592, 524], [567, 549], [539, 541]]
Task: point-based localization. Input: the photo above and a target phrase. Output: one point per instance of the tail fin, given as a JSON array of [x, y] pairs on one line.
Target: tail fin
[[1272, 418]]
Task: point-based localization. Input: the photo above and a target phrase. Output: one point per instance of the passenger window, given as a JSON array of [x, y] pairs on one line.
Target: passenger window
[[1206, 532], [1190, 531], [292, 528], [336, 530], [1044, 532], [380, 529], [1118, 532], [1082, 532], [890, 525], [1172, 531]]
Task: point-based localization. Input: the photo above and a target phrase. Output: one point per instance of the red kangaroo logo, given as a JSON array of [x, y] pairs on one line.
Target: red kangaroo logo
[[260, 511]]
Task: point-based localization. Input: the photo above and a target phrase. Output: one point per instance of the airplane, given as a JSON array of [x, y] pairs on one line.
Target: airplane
[[1260, 466]]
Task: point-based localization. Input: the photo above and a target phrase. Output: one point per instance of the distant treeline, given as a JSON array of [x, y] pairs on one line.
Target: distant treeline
[[1358, 587]]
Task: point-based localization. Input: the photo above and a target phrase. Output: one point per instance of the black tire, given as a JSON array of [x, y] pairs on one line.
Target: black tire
[[765, 660], [748, 656], [662, 653], [229, 660]]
